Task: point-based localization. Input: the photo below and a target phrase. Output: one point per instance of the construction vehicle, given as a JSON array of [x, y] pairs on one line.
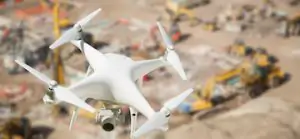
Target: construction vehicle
[[240, 49], [290, 26], [210, 26], [214, 92], [249, 78], [180, 9], [267, 64]]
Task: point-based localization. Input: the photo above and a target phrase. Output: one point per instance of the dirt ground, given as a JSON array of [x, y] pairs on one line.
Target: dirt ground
[[239, 123]]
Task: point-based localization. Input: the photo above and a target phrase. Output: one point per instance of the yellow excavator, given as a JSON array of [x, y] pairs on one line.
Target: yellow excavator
[[212, 92], [240, 49], [179, 9], [249, 77], [53, 8]]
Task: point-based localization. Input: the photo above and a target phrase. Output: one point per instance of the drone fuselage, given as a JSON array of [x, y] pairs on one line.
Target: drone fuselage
[[116, 74]]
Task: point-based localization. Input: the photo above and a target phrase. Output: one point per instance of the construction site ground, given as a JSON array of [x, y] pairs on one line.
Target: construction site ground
[[251, 120]]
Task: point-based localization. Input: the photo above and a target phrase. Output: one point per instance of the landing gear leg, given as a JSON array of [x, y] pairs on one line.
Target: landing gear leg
[[133, 117]]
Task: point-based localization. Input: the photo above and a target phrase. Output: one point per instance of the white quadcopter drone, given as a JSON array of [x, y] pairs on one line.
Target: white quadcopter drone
[[115, 79]]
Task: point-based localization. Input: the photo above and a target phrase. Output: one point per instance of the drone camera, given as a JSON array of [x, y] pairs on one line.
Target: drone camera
[[108, 123]]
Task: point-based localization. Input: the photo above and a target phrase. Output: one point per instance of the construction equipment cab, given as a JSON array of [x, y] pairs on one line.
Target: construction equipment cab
[[268, 68], [240, 49], [261, 57]]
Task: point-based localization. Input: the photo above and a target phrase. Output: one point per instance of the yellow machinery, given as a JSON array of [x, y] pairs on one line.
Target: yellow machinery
[[250, 77], [268, 64], [212, 93], [264, 63], [261, 74], [62, 22], [177, 9], [240, 50], [210, 26], [57, 61]]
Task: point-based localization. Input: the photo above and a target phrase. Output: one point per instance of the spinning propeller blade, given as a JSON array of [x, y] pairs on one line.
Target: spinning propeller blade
[[160, 119], [74, 32], [60, 93], [171, 56]]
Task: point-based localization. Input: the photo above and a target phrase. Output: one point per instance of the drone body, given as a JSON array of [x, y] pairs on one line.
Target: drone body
[[114, 78]]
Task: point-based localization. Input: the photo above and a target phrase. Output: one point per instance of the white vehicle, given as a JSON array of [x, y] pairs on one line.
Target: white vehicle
[[115, 79]]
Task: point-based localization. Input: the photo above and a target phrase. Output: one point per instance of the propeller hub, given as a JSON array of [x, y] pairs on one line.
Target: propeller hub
[[52, 84], [170, 48], [78, 28], [166, 112]]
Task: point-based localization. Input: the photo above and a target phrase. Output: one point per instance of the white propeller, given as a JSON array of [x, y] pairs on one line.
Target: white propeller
[[60, 93], [75, 32], [171, 56], [160, 119]]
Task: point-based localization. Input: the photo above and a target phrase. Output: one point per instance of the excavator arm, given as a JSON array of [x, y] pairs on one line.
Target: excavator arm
[[58, 63]]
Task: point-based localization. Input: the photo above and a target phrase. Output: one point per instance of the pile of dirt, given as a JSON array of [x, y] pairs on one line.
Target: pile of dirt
[[263, 118]]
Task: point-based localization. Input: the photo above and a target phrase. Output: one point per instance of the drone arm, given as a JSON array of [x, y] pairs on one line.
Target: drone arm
[[89, 71], [143, 67], [93, 56]]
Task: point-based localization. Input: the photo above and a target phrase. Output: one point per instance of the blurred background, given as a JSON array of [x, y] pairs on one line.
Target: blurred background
[[240, 56]]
